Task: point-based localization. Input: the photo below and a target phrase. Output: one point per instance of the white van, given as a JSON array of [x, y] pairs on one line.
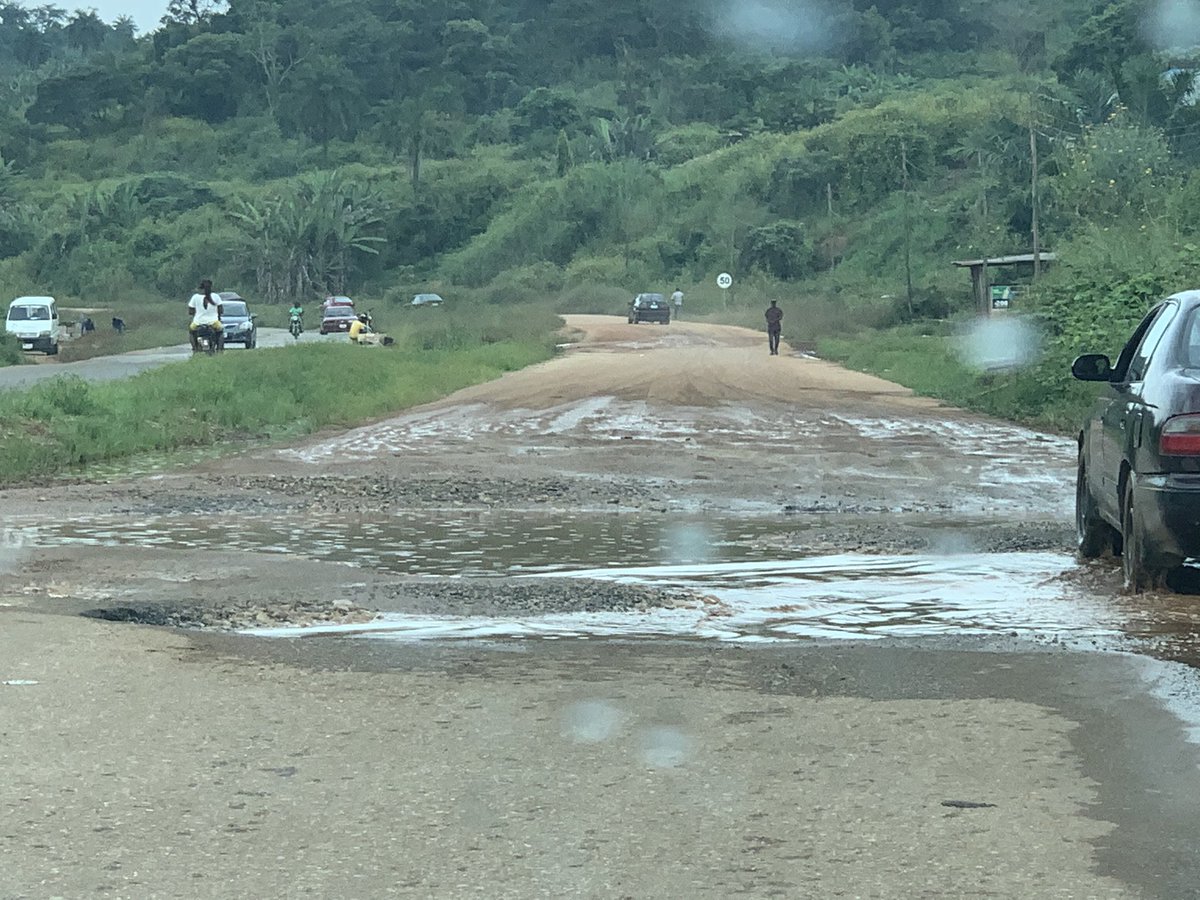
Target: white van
[[34, 322]]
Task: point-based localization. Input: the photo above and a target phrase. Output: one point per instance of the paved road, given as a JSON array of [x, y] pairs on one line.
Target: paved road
[[110, 368]]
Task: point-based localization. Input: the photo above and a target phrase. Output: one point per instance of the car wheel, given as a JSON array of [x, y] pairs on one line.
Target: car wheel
[[53, 351], [1142, 569], [1093, 535]]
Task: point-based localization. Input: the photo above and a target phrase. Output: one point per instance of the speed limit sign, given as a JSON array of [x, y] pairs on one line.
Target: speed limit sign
[[724, 281]]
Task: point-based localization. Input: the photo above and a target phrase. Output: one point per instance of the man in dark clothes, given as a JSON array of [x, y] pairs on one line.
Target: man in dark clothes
[[774, 326]]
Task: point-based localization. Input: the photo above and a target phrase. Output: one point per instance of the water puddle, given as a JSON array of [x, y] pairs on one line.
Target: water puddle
[[765, 579], [467, 544], [846, 596]]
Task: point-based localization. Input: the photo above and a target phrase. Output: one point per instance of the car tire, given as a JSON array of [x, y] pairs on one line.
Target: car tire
[[1141, 569], [53, 351], [1093, 535]]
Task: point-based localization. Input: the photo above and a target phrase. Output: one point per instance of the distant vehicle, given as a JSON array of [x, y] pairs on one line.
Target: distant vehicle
[[34, 322], [337, 319], [649, 308], [338, 300], [240, 327], [427, 300], [1137, 487]]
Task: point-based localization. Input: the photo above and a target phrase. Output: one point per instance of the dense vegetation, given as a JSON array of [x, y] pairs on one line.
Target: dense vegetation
[[835, 153]]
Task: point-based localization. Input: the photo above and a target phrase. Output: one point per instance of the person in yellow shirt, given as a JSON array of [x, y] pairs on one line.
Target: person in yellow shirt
[[357, 328]]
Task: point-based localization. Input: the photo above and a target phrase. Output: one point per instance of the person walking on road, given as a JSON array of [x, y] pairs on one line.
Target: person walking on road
[[677, 299], [774, 326]]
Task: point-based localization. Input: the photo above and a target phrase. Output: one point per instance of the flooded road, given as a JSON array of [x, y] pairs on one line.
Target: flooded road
[[756, 578]]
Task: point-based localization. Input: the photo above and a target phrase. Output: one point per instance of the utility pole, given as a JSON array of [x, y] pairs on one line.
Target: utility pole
[[829, 198], [1033, 191], [907, 227]]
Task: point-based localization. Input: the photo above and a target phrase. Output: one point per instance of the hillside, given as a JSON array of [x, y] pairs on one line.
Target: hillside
[[836, 151]]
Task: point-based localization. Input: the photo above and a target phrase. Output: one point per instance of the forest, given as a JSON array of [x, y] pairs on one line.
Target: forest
[[840, 151]]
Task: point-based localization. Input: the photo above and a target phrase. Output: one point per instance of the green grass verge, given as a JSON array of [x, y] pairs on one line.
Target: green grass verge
[[1042, 396], [68, 422]]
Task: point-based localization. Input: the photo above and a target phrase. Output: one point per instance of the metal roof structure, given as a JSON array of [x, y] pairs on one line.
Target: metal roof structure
[[1006, 260]]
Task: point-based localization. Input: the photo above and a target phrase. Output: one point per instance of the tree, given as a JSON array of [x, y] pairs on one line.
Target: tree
[[779, 249], [81, 98], [192, 12], [204, 77], [85, 31], [306, 241], [276, 51], [322, 100]]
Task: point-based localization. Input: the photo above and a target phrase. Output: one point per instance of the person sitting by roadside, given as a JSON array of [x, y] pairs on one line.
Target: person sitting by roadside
[[360, 331]]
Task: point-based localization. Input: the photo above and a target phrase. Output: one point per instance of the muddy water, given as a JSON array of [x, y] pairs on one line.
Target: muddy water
[[756, 588], [469, 544], [846, 596]]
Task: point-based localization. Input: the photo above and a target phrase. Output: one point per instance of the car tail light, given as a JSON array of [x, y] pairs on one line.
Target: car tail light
[[1180, 436]]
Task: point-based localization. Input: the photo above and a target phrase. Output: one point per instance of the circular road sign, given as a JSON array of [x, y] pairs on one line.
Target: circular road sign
[[724, 281]]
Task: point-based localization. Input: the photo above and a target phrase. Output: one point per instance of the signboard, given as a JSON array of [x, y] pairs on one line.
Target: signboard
[[1002, 296], [724, 281]]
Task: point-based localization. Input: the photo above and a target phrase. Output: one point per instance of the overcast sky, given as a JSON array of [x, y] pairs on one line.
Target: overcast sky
[[145, 12]]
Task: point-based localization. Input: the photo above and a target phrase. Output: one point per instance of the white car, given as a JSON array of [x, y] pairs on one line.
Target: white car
[[34, 322], [427, 300]]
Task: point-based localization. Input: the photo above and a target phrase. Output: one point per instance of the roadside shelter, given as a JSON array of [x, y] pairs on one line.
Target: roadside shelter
[[988, 300]]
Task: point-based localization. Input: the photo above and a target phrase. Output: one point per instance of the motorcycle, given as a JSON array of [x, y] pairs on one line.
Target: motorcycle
[[209, 340], [295, 326]]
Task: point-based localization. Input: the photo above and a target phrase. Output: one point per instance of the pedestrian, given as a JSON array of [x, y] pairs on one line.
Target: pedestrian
[[677, 299], [774, 326]]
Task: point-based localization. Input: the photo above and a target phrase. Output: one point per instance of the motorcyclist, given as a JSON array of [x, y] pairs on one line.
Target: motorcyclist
[[205, 309], [296, 314]]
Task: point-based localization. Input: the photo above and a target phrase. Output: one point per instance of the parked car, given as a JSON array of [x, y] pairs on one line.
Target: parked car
[[240, 327], [337, 319], [34, 322], [336, 300], [649, 308], [427, 300], [1137, 489]]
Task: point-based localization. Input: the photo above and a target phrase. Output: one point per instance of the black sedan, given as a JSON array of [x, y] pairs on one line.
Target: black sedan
[[1138, 485], [649, 308]]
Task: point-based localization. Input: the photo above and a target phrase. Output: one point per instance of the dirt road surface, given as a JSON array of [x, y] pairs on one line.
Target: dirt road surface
[[663, 617]]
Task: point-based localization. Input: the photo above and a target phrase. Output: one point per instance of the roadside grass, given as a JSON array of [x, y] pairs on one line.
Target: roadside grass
[[925, 358], [69, 422], [10, 351]]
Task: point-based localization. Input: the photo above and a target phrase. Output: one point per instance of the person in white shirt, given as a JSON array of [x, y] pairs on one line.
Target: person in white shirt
[[677, 299], [205, 310]]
